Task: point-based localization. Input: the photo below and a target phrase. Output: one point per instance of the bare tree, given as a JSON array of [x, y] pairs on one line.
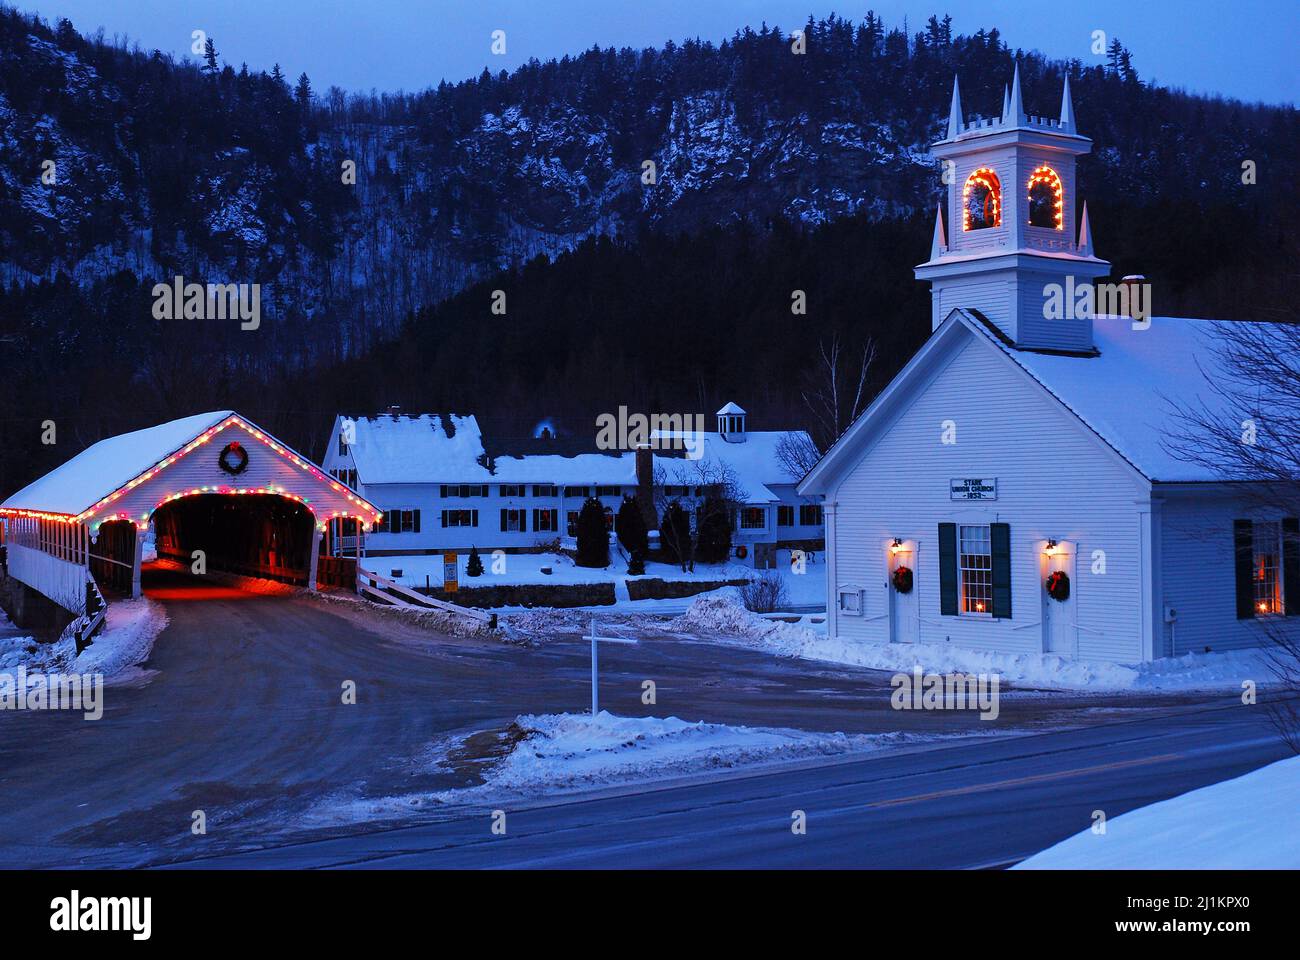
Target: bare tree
[[835, 388], [709, 485], [1247, 428], [797, 453]]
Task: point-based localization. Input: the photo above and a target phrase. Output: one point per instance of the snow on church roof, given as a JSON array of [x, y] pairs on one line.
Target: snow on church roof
[[105, 466], [1129, 394]]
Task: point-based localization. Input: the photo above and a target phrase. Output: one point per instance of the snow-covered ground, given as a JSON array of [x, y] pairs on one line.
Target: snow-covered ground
[[806, 589], [556, 753], [712, 616], [1244, 824], [131, 628]]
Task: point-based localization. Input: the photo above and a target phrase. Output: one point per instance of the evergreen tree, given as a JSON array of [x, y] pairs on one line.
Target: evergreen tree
[[302, 92], [210, 57], [474, 568], [675, 535], [593, 538], [713, 537], [631, 529]]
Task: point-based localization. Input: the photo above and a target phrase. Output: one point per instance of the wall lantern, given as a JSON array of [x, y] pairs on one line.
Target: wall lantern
[[1051, 547], [896, 545]]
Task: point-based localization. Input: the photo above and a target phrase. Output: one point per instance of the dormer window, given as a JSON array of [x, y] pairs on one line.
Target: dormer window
[[731, 423], [982, 200], [1046, 200]]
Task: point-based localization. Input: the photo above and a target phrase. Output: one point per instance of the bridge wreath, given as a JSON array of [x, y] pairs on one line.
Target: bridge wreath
[[902, 579], [1058, 586], [233, 458]]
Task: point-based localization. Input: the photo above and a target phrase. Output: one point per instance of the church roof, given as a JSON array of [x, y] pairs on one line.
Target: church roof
[[1128, 394], [1131, 392]]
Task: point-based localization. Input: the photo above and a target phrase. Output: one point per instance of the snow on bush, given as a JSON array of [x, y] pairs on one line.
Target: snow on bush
[[720, 616]]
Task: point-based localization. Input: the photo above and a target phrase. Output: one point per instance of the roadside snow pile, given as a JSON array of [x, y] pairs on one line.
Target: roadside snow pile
[[572, 750], [1242, 824], [127, 641], [721, 616]]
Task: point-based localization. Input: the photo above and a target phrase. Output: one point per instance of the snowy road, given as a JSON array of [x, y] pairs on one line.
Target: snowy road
[[976, 806], [243, 720]]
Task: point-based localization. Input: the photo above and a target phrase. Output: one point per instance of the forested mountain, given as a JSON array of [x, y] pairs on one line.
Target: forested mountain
[[774, 172]]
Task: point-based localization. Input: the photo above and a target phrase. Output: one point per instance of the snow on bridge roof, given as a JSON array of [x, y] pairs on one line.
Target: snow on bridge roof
[[105, 466]]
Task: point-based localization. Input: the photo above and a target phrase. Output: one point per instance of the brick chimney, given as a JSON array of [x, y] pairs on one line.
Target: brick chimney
[[645, 485], [394, 411]]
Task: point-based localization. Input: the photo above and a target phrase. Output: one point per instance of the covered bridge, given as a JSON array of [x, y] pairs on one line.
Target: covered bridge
[[214, 482]]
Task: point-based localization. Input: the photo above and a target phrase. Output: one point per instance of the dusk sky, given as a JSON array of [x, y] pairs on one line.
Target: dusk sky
[[1244, 50]]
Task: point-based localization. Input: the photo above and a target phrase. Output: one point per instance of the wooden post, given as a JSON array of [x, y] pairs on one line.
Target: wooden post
[[136, 592], [314, 559]]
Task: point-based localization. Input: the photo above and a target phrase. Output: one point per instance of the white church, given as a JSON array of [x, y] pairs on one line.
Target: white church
[[1013, 488]]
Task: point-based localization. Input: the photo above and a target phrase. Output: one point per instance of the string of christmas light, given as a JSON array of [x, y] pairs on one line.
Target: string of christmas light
[[992, 203], [1047, 176]]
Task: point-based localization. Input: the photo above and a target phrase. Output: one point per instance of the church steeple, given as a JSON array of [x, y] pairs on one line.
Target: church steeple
[[1012, 232], [955, 121]]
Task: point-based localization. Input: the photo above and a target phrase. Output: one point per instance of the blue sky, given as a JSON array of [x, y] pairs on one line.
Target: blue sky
[[1244, 49]]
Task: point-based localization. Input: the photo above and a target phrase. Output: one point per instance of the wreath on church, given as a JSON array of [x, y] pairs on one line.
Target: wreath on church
[[1058, 586], [233, 458], [902, 579]]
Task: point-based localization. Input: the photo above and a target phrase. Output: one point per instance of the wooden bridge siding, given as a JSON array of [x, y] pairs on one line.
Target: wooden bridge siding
[[199, 468]]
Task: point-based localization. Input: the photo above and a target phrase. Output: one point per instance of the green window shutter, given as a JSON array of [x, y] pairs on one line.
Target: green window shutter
[[948, 569], [503, 519], [1000, 543], [1291, 565], [444, 518], [1243, 538], [417, 520]]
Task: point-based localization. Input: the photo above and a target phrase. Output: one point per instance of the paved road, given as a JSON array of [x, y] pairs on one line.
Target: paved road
[[243, 719], [974, 806]]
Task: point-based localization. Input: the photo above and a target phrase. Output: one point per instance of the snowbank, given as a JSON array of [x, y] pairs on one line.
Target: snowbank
[[127, 640], [719, 616], [1242, 824], [558, 753], [570, 750]]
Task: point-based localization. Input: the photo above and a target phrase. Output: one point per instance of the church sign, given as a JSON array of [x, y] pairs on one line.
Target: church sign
[[972, 488]]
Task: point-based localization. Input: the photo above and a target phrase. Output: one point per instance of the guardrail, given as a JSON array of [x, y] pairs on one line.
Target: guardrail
[[380, 588], [95, 616]]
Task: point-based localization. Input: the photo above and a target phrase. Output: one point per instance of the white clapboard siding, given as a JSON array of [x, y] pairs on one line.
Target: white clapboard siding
[[1199, 580], [1054, 481]]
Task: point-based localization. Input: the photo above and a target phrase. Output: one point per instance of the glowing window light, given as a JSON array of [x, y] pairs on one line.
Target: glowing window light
[[981, 200], [1046, 199]]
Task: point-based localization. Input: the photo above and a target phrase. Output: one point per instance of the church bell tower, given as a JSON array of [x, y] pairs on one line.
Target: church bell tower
[[1011, 232]]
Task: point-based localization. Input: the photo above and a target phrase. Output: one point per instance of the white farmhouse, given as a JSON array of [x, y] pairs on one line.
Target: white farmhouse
[[444, 486], [1021, 450]]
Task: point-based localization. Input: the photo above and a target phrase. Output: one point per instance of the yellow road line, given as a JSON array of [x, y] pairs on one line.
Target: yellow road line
[[1035, 778]]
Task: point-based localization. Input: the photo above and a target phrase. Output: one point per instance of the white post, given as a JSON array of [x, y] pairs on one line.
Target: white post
[[595, 680]]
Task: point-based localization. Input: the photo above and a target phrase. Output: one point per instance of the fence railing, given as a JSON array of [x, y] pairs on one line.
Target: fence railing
[[376, 587]]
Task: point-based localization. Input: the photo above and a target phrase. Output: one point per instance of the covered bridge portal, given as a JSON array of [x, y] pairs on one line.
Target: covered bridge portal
[[214, 482]]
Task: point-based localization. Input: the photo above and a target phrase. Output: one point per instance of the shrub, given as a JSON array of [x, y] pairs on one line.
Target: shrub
[[474, 567], [765, 592], [713, 540], [631, 529], [593, 538]]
